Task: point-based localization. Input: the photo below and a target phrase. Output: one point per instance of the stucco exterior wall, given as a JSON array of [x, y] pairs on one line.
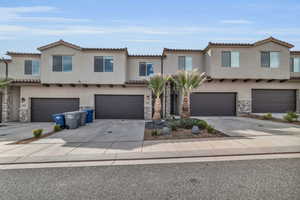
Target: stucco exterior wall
[[243, 91], [16, 68], [83, 67], [250, 66], [85, 94], [171, 61], [133, 67], [2, 70]]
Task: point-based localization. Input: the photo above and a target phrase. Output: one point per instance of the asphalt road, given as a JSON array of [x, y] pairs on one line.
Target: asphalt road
[[256, 179]]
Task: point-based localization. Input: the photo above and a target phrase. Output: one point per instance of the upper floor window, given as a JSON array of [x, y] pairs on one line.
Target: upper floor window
[[32, 67], [103, 64], [295, 64], [62, 63], [145, 69], [230, 59], [185, 63], [270, 59]]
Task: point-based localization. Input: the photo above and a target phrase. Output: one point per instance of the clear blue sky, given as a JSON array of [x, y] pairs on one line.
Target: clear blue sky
[[145, 26]]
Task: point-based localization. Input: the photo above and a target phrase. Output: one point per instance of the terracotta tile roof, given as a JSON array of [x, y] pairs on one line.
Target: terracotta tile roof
[[60, 42], [74, 46], [11, 53], [295, 52], [260, 42], [26, 81], [104, 49], [147, 56], [182, 50], [136, 82], [5, 59]]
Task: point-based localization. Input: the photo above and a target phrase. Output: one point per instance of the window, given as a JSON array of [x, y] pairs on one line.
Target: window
[[295, 64], [32, 67], [103, 64], [230, 59], [145, 69], [62, 63], [270, 59], [185, 63]]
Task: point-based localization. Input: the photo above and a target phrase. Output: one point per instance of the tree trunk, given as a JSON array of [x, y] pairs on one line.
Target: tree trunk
[[157, 109], [185, 109]]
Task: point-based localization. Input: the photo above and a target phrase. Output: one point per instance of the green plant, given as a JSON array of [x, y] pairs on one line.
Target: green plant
[[201, 124], [210, 129], [185, 82], [57, 128], [157, 84], [155, 132], [37, 133], [267, 116], [173, 125], [291, 116], [4, 83]]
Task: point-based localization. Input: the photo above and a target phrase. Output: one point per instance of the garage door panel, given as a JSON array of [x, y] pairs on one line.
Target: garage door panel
[[42, 109], [213, 104], [119, 106], [273, 101]]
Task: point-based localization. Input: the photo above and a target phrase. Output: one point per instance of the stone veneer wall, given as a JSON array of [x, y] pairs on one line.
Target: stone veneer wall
[[243, 107], [148, 105], [298, 101]]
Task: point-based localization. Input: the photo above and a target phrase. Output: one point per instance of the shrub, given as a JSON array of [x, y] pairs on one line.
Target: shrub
[[174, 125], [291, 116], [210, 129], [37, 133], [56, 128], [267, 116], [201, 124], [155, 132]]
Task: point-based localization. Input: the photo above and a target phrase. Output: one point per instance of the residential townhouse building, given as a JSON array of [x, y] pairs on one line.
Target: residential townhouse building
[[260, 77]]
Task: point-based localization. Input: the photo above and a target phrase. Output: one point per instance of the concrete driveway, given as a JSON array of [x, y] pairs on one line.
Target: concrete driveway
[[247, 127], [10, 132]]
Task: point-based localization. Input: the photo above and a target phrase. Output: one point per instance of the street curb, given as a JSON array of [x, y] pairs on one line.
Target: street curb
[[149, 158]]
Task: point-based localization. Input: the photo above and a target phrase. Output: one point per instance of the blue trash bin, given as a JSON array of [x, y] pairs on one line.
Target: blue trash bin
[[89, 116], [59, 119]]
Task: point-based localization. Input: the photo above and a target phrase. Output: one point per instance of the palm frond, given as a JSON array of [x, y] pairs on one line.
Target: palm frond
[[157, 84]]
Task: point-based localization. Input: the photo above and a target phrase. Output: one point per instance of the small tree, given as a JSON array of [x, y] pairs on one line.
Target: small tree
[[157, 84], [185, 82]]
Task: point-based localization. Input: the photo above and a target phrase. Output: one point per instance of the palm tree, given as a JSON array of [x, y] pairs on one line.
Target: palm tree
[[185, 82], [157, 84], [4, 83]]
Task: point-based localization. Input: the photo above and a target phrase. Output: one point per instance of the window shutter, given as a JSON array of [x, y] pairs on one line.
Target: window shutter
[[57, 63], [226, 58], [142, 69], [98, 64], [265, 59], [28, 67], [292, 64], [181, 62]]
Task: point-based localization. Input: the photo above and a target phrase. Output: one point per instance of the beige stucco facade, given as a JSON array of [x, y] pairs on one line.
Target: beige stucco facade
[[133, 67], [86, 96], [83, 67], [83, 83], [250, 63], [171, 61]]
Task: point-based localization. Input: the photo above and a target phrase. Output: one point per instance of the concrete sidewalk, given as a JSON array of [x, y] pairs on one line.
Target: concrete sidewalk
[[58, 151]]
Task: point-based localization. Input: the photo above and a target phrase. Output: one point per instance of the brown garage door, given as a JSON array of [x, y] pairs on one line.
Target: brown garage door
[[273, 101], [119, 106], [42, 109], [213, 104]]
